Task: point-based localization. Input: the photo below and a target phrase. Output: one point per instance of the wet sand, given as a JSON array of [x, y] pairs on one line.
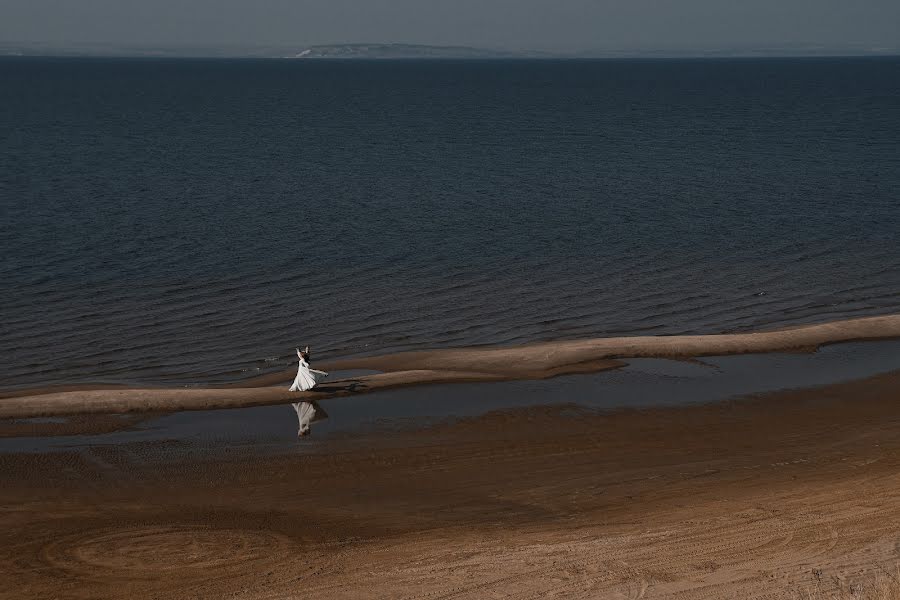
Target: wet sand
[[753, 498], [533, 361], [72, 425]]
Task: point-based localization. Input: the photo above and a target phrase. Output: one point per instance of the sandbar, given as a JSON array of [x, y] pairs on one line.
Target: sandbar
[[533, 361]]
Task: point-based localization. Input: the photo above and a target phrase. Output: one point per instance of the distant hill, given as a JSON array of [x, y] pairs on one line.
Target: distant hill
[[398, 51], [419, 51]]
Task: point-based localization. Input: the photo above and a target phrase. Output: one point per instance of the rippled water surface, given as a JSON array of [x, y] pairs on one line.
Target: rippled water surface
[[195, 220]]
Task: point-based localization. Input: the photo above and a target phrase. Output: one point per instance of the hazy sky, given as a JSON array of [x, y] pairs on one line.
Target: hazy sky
[[513, 24]]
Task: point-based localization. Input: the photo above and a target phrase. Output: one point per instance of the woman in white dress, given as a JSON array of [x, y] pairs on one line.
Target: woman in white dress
[[306, 379]]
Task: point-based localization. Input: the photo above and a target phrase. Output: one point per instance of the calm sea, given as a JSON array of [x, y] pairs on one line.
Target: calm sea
[[194, 220]]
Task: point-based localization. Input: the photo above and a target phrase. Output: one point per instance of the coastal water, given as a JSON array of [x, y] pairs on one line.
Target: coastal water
[[194, 220]]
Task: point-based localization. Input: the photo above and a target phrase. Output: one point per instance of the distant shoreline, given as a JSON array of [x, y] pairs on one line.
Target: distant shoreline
[[687, 57], [388, 52]]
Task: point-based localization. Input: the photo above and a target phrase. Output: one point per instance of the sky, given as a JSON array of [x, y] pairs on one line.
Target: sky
[[551, 25]]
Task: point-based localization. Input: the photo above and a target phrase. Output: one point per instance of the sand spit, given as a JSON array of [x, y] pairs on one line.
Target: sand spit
[[523, 361], [532, 361]]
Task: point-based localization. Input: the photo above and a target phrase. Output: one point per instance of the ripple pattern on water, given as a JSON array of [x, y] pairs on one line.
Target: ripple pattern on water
[[174, 221]]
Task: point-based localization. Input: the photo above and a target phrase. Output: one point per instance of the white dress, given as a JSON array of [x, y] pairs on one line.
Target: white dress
[[306, 379]]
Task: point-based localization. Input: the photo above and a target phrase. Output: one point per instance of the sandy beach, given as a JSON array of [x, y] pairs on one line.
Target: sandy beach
[[763, 497]]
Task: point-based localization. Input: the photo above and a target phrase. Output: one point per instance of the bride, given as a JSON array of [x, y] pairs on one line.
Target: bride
[[306, 379]]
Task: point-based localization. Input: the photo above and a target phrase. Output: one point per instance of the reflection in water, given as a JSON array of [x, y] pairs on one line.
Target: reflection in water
[[307, 413]]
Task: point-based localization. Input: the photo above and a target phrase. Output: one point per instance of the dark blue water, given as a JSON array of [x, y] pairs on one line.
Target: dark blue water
[[166, 220]]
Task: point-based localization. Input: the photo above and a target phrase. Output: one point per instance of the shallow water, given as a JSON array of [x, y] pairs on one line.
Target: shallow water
[[194, 220], [643, 383]]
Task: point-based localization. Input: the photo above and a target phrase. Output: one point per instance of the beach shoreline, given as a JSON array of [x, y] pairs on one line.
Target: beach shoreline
[[739, 498], [533, 361]]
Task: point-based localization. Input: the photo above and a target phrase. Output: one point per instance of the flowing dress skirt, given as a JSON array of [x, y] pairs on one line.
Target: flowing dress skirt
[[306, 378]]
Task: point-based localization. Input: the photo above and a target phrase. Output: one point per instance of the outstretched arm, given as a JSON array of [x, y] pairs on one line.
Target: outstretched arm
[[299, 354]]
